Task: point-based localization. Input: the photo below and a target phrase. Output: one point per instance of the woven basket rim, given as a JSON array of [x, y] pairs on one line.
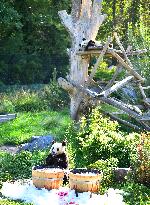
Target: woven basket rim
[[85, 170], [45, 167]]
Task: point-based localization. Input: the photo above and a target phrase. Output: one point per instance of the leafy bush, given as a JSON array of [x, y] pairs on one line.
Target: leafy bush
[[135, 193], [49, 96], [28, 101], [104, 73], [141, 160], [106, 166], [6, 106], [53, 96], [99, 138], [19, 166]]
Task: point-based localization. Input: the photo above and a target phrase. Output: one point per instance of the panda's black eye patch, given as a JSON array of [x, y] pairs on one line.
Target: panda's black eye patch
[[57, 149], [53, 148]]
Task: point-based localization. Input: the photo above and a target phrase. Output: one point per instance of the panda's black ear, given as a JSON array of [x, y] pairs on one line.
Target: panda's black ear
[[64, 143], [53, 141]]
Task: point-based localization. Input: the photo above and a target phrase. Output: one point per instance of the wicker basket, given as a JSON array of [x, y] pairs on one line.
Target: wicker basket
[[48, 178], [83, 180]]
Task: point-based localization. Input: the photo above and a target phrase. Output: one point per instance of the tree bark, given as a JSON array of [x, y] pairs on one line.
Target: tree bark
[[83, 22]]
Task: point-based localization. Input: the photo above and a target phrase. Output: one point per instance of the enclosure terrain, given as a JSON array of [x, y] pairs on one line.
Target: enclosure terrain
[[34, 55]]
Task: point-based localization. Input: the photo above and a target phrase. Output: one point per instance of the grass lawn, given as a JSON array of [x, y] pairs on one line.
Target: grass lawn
[[10, 202], [30, 124]]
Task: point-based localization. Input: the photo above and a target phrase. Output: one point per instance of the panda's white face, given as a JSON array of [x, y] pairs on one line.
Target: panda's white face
[[57, 148], [84, 43]]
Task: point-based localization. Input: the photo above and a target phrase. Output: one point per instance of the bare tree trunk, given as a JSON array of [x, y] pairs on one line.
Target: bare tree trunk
[[83, 22]]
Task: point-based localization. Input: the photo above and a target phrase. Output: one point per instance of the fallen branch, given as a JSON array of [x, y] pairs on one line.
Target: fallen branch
[[123, 50], [142, 91], [130, 112], [129, 68], [115, 87], [124, 122], [146, 88], [111, 82], [66, 85]]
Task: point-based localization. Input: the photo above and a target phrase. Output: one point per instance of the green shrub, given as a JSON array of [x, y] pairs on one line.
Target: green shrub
[[6, 106], [140, 160], [99, 138], [53, 96], [104, 73], [19, 166], [27, 99], [135, 193], [106, 166]]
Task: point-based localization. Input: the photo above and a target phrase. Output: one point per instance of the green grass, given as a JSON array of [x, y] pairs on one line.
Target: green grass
[[10, 202], [30, 124]]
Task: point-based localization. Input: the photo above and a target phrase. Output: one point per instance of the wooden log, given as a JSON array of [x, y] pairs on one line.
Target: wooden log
[[123, 50], [145, 118], [130, 112], [142, 91], [97, 51], [135, 110], [66, 86], [117, 86], [118, 113], [111, 82], [137, 52], [129, 68], [124, 122], [120, 106], [146, 88], [147, 102], [110, 101]]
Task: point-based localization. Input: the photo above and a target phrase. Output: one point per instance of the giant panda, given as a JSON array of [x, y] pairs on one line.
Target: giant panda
[[57, 156], [85, 44]]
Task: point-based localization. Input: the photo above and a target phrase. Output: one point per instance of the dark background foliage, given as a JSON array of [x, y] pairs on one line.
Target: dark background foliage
[[33, 41]]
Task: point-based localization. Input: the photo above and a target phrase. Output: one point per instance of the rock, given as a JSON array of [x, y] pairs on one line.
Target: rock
[[121, 173], [6, 117], [10, 149], [37, 143]]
